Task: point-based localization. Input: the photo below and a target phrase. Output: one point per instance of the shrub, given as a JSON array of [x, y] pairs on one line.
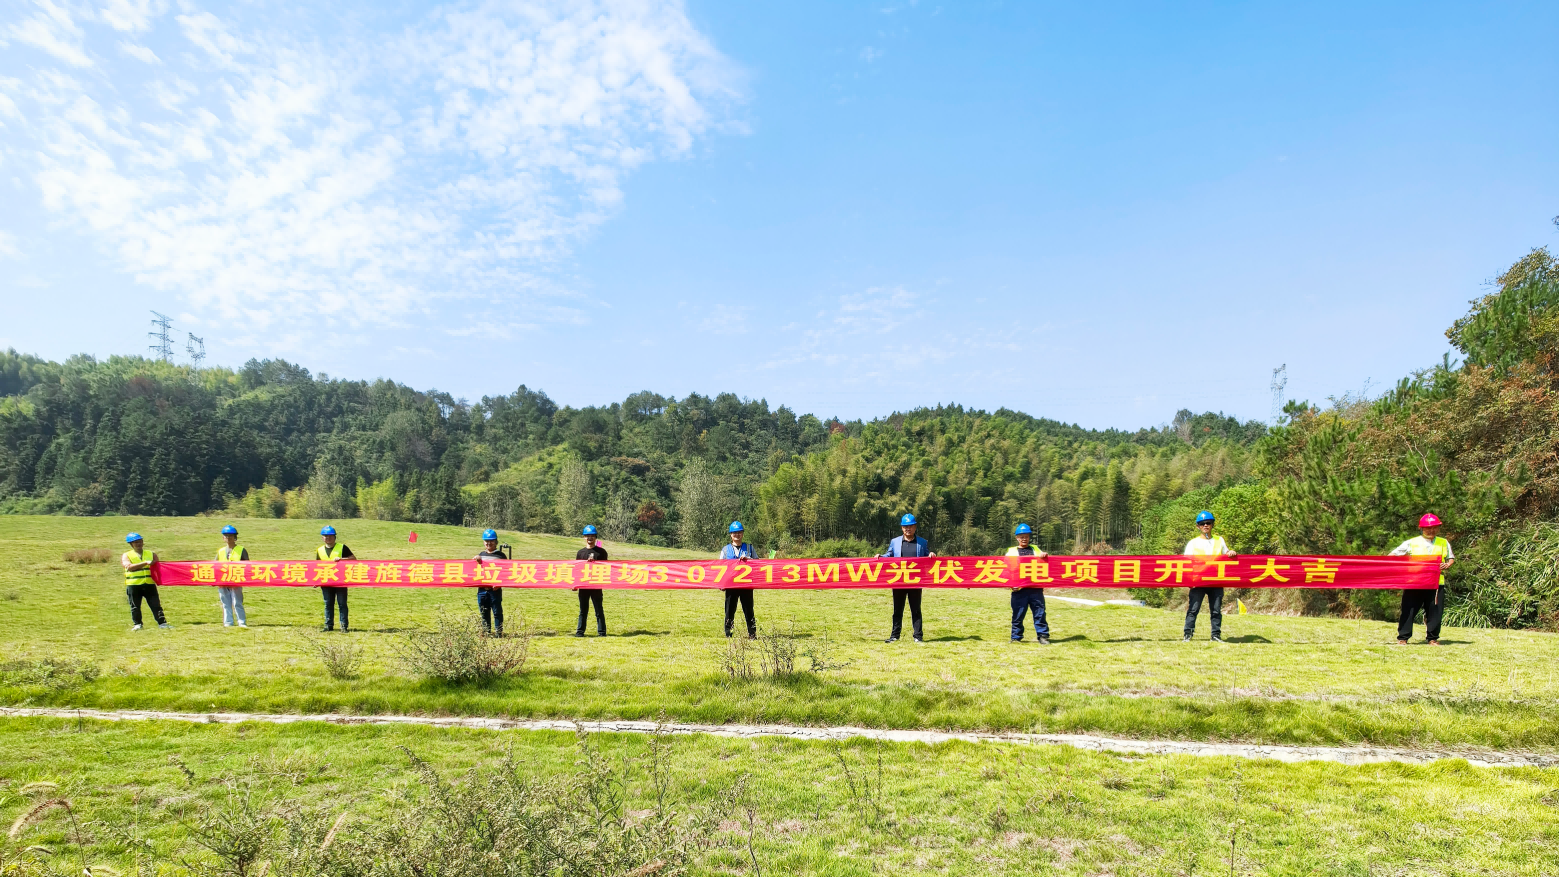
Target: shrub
[[341, 655], [458, 649], [89, 555]]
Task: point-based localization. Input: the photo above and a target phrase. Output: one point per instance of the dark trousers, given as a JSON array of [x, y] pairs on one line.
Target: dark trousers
[[137, 593], [1024, 601], [490, 602], [1433, 604], [334, 597], [913, 596], [1214, 605], [588, 596], [743, 596]]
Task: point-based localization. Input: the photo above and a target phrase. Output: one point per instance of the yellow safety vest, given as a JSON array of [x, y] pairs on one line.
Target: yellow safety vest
[[227, 555], [1418, 546], [329, 553], [139, 576]]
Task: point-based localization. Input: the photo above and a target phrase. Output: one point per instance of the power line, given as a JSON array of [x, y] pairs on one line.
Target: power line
[[162, 343], [1279, 382]]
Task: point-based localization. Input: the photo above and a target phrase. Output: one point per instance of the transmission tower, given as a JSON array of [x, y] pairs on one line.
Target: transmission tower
[[196, 348], [162, 343], [1279, 381]]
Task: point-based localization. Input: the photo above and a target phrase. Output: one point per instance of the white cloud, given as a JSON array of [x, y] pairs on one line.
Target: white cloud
[[52, 30], [870, 54], [265, 174], [140, 53], [8, 247]]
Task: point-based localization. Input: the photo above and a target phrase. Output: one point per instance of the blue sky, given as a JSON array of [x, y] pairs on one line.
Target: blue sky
[[1098, 213]]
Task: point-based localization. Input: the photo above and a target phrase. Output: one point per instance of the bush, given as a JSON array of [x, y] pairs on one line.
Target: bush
[[1517, 586], [503, 820], [458, 649], [341, 655]]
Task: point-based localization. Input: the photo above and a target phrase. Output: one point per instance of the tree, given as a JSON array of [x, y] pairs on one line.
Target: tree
[[574, 497], [704, 506]]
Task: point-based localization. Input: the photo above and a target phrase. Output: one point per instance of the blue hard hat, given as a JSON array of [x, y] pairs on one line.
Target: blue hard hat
[[230, 530], [489, 535], [1023, 529], [1204, 517], [133, 537], [736, 527], [589, 530], [328, 531], [908, 521]]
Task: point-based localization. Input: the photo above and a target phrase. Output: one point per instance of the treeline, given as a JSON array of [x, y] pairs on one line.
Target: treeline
[[136, 436]]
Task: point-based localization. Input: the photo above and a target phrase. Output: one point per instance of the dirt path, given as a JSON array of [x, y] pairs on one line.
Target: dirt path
[[1338, 754]]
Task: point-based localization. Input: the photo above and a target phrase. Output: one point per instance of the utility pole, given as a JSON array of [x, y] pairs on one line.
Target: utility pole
[[196, 348], [1279, 381], [162, 345]]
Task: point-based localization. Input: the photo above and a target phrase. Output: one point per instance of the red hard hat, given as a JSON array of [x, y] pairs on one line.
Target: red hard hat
[[1429, 520]]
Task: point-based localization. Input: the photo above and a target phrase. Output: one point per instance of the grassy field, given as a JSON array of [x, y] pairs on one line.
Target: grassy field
[[952, 809], [1118, 670]]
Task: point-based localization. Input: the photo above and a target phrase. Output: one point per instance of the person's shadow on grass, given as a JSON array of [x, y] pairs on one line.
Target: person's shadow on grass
[[1072, 639], [645, 633], [953, 639], [1248, 638]]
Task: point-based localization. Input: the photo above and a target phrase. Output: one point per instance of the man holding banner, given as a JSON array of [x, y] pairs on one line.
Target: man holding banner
[[907, 545], [590, 596], [489, 598], [1028, 600], [1428, 543], [737, 549], [1206, 545], [334, 552]]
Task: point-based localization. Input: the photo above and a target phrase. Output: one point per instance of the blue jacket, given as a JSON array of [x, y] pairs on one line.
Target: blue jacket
[[896, 547], [730, 552]]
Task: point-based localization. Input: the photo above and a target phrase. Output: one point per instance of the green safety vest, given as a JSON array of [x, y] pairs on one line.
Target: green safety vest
[[139, 576], [329, 553], [224, 555]]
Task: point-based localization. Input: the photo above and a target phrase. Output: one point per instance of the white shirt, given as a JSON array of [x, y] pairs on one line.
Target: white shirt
[[1202, 546]]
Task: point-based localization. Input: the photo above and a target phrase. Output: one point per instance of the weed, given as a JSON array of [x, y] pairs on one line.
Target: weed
[[457, 649], [13, 596], [777, 651], [89, 555], [997, 819], [54, 674], [341, 655], [234, 834], [864, 786], [822, 653], [735, 657], [1115, 782]]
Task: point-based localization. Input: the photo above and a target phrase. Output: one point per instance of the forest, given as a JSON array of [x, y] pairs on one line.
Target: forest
[[1471, 439]]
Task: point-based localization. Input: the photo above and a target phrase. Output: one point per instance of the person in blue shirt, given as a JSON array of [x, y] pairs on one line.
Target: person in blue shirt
[[907, 545], [489, 598], [736, 549]]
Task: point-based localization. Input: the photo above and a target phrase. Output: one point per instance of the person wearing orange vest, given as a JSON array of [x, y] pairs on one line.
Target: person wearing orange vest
[[1428, 544], [138, 582]]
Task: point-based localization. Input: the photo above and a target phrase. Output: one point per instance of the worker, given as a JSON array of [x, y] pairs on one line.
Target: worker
[[736, 549], [1205, 544], [907, 545], [489, 598], [590, 554], [334, 596], [138, 582], [231, 598], [1428, 543], [1028, 600]]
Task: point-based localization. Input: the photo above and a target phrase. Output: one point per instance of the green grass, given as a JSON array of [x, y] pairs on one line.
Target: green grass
[[953, 808], [1117, 670]]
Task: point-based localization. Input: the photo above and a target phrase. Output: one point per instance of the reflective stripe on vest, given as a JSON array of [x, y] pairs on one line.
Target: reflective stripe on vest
[[227, 555], [324, 553], [139, 576]]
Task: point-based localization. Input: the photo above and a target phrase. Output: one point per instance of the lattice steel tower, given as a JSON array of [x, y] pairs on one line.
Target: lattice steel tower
[[1279, 381], [162, 342]]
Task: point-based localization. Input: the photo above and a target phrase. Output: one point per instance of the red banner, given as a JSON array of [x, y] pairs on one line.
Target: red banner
[[1155, 571]]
